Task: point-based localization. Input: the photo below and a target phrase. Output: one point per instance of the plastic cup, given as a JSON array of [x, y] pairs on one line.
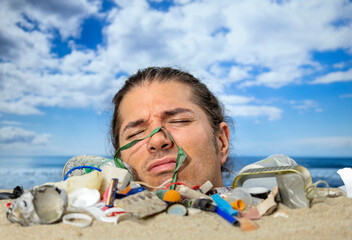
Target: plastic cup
[[240, 194]]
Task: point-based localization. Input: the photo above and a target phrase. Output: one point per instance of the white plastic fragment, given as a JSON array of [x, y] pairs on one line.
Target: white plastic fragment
[[280, 214], [193, 211], [346, 176], [67, 219]]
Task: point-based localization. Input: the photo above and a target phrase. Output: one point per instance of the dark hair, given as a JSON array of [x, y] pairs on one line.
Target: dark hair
[[201, 96]]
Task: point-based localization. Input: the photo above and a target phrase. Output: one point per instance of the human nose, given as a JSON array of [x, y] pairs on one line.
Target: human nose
[[159, 141]]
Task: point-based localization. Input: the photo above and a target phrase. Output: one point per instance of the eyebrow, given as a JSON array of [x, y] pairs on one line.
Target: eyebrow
[[133, 124], [165, 114], [173, 112]]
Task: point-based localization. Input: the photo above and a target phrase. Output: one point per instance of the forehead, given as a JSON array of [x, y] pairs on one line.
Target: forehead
[[152, 98]]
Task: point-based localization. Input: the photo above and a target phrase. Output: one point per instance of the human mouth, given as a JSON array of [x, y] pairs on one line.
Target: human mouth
[[162, 165]]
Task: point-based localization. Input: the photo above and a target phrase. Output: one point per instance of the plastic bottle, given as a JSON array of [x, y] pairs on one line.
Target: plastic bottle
[[240, 194]]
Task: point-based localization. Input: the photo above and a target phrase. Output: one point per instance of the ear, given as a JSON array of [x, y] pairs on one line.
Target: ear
[[223, 138]]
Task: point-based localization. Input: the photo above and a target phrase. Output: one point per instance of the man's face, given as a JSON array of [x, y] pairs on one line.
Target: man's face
[[156, 104]]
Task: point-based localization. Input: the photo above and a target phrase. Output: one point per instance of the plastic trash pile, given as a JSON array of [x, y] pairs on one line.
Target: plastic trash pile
[[94, 189]]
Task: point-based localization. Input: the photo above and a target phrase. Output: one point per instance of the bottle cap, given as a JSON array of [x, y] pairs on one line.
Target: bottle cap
[[177, 209]]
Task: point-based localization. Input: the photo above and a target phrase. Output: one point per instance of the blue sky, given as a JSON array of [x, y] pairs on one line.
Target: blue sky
[[283, 70]]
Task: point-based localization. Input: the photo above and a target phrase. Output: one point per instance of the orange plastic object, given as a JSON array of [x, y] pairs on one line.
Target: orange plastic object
[[172, 196], [247, 224], [238, 205], [126, 190]]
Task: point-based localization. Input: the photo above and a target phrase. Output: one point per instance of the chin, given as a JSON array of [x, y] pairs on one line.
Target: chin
[[157, 181]]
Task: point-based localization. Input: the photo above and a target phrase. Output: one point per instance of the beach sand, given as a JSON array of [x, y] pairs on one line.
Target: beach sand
[[330, 219]]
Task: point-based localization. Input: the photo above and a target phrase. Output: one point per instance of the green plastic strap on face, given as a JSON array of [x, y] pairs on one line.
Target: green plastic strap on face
[[181, 156]]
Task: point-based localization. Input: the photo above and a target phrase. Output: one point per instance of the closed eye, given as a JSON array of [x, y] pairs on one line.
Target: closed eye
[[180, 121], [135, 134]]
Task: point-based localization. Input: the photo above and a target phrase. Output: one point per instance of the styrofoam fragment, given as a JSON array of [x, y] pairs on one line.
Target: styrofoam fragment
[[110, 172], [206, 187]]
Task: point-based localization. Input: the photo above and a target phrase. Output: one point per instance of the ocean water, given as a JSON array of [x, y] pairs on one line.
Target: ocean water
[[32, 171]]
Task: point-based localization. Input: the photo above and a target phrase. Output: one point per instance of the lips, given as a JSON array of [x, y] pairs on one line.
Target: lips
[[162, 165]]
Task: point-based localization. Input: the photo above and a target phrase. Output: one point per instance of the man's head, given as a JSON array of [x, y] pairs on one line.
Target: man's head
[[176, 100]]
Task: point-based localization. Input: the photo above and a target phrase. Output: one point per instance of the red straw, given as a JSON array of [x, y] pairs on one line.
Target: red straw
[[175, 183]]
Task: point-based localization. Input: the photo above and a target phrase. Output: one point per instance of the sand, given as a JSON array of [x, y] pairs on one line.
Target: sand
[[331, 219]]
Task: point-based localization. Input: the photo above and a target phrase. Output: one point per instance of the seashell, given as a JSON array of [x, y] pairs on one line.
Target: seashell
[[142, 204], [42, 205]]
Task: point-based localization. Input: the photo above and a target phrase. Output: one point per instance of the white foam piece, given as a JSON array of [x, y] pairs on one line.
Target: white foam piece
[[346, 176]]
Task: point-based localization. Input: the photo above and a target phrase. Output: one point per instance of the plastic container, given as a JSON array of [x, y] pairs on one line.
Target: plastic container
[[275, 160], [85, 160], [240, 194], [292, 190]]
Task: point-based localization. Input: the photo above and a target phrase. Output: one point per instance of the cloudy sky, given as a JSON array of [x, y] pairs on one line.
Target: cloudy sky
[[282, 68]]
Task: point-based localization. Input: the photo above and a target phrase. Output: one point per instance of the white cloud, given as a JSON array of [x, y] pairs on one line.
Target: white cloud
[[239, 73], [223, 41], [31, 76], [346, 95], [318, 110], [10, 122], [340, 65], [15, 135], [278, 77], [237, 106], [235, 99], [333, 142], [304, 105], [340, 76], [273, 113], [66, 16], [28, 28], [336, 146], [332, 146]]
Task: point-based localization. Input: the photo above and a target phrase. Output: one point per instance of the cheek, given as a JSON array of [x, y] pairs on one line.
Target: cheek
[[194, 141], [132, 156]]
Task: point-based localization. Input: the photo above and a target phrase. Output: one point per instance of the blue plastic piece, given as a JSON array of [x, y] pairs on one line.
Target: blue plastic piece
[[130, 192], [225, 206], [136, 190], [227, 216], [80, 167]]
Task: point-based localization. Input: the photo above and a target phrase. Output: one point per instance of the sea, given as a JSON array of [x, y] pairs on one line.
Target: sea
[[33, 171]]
